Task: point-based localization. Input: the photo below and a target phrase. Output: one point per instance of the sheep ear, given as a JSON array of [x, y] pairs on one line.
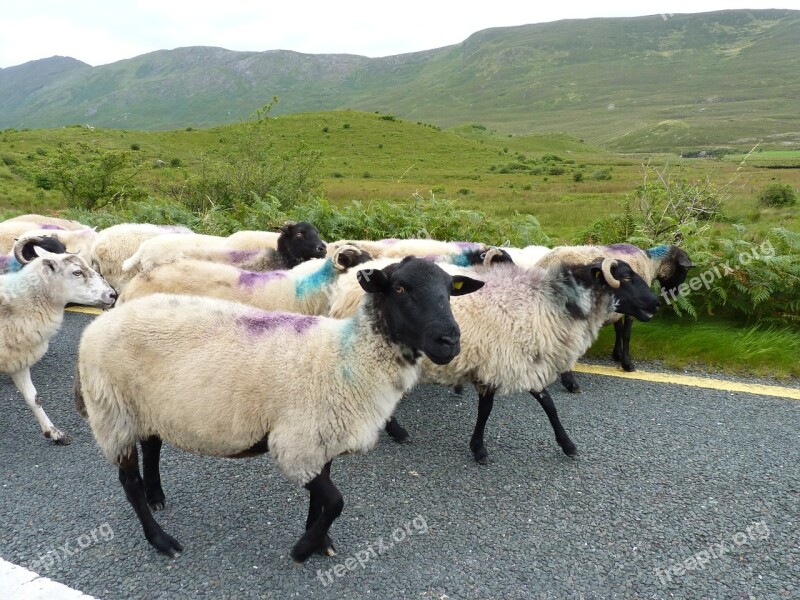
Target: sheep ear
[[465, 285], [345, 257], [41, 252], [49, 263], [286, 227], [374, 281], [682, 258]]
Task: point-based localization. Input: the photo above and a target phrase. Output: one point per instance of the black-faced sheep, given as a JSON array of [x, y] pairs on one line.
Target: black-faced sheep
[[524, 328], [203, 374], [32, 303], [297, 243], [667, 264]]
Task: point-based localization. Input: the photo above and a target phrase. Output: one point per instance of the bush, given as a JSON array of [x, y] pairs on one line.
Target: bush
[[135, 147], [601, 175], [577, 176], [778, 194], [556, 170]]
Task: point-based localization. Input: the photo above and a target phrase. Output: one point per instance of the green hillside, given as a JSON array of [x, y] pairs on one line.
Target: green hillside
[[671, 83]]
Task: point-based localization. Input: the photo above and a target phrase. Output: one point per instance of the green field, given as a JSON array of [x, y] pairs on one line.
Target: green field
[[372, 157]]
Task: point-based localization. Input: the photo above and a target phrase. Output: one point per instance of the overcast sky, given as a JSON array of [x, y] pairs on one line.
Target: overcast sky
[[103, 31]]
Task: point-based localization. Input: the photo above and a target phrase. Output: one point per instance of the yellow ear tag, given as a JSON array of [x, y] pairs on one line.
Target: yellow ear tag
[[457, 284], [597, 275]]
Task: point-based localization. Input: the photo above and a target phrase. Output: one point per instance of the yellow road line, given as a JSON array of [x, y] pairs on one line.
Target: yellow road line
[[88, 310], [703, 382]]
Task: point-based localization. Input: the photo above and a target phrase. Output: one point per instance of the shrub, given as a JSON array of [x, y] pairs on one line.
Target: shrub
[[577, 176], [778, 194], [601, 175], [135, 147], [175, 162], [556, 170]]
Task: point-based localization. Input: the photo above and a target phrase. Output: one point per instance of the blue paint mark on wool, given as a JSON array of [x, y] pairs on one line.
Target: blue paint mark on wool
[[315, 281], [461, 260], [658, 251], [9, 264]]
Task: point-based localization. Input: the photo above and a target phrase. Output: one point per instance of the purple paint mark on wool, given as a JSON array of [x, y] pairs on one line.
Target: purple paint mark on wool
[[623, 249], [258, 322], [466, 245], [175, 228], [251, 279], [389, 241], [48, 226], [239, 256]]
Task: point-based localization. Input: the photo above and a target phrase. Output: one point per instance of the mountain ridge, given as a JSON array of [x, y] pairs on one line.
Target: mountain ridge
[[637, 83]]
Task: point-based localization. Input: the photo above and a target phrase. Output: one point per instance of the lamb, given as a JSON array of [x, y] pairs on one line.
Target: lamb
[[304, 289], [10, 264], [668, 264], [32, 303], [525, 327], [203, 374], [44, 222], [297, 243], [117, 243]]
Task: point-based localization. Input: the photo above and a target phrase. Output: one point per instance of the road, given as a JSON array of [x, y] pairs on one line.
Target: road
[[678, 492]]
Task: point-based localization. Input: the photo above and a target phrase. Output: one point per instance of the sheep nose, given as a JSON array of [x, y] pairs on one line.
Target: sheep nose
[[322, 248], [449, 340]]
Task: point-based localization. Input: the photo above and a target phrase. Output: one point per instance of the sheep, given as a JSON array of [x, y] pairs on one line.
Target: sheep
[[304, 289], [224, 379], [398, 248], [78, 241], [297, 243], [44, 222], [524, 328], [115, 244], [32, 303], [254, 240], [527, 256], [10, 264], [668, 264]]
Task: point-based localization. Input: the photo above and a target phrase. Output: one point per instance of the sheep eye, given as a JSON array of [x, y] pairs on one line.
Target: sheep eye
[[627, 279], [77, 273], [299, 234], [483, 255], [399, 289]]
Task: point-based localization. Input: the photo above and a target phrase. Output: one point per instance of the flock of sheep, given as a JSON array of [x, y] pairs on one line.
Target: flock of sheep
[[278, 342]]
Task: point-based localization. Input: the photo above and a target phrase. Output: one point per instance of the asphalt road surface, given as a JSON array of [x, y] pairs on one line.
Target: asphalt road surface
[[678, 492]]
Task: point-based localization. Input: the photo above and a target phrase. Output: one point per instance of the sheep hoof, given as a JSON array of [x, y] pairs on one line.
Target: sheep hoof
[[629, 366], [397, 432], [59, 438], [570, 450], [481, 456], [166, 544], [156, 499]]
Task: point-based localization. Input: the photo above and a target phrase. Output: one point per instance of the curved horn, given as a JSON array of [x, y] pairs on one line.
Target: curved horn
[[606, 266], [18, 251], [490, 255]]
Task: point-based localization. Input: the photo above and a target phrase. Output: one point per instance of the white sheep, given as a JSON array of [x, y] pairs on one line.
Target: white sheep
[[668, 264], [113, 245], [398, 248], [524, 328], [527, 256], [224, 379], [297, 242], [304, 289], [32, 302], [247, 239], [45, 222]]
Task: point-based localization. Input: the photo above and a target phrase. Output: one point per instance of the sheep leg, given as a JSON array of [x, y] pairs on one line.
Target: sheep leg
[[567, 446], [133, 485], [22, 379], [622, 343], [314, 512], [151, 454], [396, 431], [570, 383], [485, 403], [329, 504]]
